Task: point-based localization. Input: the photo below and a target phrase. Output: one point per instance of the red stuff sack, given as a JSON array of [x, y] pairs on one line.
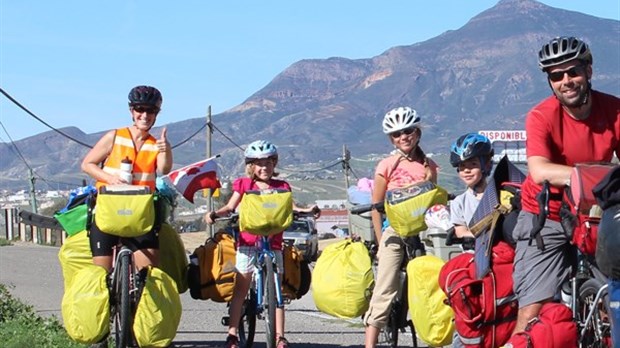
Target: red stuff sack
[[553, 328], [484, 309], [579, 213]]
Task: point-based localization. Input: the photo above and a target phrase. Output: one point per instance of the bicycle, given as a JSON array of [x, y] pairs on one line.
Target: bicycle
[[124, 281], [398, 321], [247, 323], [585, 293]]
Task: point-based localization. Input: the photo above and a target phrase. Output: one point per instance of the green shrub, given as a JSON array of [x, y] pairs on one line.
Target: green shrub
[[21, 327]]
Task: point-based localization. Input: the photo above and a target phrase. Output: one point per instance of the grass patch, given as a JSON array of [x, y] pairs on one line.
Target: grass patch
[[21, 327], [5, 242]]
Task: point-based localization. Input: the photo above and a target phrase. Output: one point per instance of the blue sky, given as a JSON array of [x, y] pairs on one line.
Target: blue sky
[[73, 62]]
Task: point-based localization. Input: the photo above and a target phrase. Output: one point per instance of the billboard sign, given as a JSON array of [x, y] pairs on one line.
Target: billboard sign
[[507, 142]]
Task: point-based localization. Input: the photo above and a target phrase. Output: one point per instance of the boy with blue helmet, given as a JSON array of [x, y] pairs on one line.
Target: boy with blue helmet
[[471, 154]]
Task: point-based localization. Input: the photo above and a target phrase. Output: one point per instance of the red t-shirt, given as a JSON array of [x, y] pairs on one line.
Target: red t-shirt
[[553, 134], [242, 185]]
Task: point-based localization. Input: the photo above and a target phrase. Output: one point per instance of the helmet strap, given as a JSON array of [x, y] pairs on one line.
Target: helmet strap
[[410, 156]]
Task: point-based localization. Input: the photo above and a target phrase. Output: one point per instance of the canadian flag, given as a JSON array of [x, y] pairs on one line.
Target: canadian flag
[[194, 177]]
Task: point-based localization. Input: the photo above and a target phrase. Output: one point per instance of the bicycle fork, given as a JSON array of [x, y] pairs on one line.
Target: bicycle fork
[[259, 282]]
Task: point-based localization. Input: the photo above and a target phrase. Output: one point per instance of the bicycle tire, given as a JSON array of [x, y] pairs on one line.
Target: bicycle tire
[[247, 323], [270, 303], [122, 302], [597, 333], [392, 327]]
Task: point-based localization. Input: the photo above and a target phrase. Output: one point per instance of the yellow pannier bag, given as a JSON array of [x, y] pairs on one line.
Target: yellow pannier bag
[[74, 255], [86, 305], [172, 256], [265, 213], [125, 215], [342, 279], [431, 317], [159, 311], [405, 207]]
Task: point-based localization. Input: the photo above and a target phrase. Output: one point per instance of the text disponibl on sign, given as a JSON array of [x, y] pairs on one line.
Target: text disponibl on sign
[[504, 135]]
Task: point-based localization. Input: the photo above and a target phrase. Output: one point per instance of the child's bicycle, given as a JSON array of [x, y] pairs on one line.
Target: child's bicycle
[[124, 281], [265, 293], [264, 297], [247, 323], [398, 321]]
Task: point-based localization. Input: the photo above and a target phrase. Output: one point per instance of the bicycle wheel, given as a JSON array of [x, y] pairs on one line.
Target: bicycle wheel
[[247, 324], [597, 331], [122, 318], [390, 331], [270, 303]]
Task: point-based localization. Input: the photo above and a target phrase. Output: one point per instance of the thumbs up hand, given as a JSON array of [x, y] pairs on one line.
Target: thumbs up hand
[[162, 143]]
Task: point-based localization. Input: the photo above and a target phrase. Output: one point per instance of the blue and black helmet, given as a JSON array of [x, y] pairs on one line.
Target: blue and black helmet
[[145, 95], [468, 146]]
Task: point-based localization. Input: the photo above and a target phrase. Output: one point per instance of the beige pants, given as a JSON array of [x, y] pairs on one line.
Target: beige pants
[[391, 249]]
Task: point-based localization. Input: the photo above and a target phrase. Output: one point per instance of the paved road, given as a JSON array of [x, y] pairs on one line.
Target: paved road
[[35, 273]]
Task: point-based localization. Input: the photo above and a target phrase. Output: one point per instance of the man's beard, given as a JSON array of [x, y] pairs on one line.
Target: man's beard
[[582, 98]]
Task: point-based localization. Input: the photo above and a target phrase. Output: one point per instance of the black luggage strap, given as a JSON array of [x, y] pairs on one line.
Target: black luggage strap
[[543, 207]]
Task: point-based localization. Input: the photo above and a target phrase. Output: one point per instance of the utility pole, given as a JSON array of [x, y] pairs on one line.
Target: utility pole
[[346, 156], [33, 204], [209, 193], [33, 197]]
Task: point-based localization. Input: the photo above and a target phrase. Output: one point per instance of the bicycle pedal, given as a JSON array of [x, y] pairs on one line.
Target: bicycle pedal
[[226, 321]]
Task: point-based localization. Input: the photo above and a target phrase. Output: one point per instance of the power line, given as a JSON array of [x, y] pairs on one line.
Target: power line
[[40, 120], [190, 137], [226, 136], [15, 149], [9, 97], [337, 162]]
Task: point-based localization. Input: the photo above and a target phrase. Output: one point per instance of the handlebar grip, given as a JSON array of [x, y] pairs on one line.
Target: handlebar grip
[[360, 209], [451, 237]]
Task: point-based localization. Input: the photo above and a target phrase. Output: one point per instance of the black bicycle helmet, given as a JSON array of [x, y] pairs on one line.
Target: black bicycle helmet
[[145, 95], [468, 146], [561, 50]]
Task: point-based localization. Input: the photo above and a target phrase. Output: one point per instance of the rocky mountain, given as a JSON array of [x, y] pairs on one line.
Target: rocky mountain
[[483, 75]]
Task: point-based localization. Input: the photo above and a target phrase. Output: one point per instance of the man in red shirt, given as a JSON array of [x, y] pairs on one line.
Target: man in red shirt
[[576, 124]]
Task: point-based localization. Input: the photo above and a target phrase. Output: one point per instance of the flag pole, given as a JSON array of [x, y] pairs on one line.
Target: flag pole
[[211, 228]]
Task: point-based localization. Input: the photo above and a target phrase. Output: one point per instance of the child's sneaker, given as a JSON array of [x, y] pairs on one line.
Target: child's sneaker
[[282, 342], [231, 342]]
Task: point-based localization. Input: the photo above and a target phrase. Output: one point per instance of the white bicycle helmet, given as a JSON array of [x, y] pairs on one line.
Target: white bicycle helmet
[[399, 119], [260, 149], [561, 50]]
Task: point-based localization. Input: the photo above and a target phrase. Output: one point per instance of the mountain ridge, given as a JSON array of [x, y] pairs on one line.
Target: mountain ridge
[[483, 75]]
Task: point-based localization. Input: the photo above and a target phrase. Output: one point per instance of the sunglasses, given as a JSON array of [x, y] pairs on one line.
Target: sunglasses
[[148, 109], [559, 75], [407, 131]]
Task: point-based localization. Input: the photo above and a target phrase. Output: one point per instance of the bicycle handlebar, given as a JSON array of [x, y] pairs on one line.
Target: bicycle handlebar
[[229, 217], [452, 239], [363, 208], [312, 213]]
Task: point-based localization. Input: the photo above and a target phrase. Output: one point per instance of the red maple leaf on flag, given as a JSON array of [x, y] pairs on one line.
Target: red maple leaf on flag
[[194, 177]]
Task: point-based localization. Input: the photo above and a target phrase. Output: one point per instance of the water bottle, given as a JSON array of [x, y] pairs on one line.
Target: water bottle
[[566, 293], [125, 173]]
